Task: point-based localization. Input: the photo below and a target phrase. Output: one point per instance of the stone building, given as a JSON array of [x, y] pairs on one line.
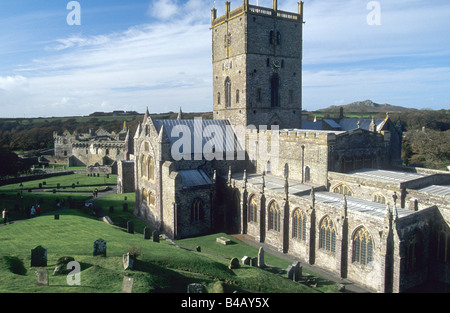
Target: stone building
[[99, 148], [332, 196]]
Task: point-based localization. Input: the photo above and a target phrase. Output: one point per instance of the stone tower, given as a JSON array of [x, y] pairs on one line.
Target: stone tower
[[257, 65]]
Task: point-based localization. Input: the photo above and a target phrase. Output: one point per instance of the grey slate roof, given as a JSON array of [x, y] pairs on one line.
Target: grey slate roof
[[387, 175], [218, 133], [194, 178], [442, 190]]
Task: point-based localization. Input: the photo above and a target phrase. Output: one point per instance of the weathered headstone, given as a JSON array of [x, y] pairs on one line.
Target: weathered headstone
[[245, 260], [107, 220], [261, 258], [234, 263], [130, 227], [290, 272], [195, 288], [42, 277], [38, 257], [128, 261], [127, 285], [223, 240], [198, 249], [155, 236], [254, 261], [100, 247], [125, 207], [56, 216], [297, 271], [147, 233], [61, 265]]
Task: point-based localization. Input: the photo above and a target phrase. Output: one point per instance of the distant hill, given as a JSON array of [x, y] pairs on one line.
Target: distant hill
[[365, 106]]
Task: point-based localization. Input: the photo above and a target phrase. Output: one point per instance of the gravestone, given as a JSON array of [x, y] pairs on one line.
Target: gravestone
[[155, 236], [128, 261], [261, 258], [223, 240], [125, 207], [56, 216], [195, 288], [100, 247], [38, 257], [147, 233], [234, 263], [199, 249], [297, 270], [254, 261], [107, 220], [290, 272], [245, 260], [130, 227], [42, 277], [127, 285]]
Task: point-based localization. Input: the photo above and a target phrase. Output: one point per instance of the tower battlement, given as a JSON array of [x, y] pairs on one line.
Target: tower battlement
[[254, 9]]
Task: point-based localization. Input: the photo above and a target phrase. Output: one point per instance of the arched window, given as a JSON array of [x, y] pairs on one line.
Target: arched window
[[274, 216], [237, 96], [362, 247], [144, 196], [151, 198], [299, 225], [413, 251], [143, 166], [379, 198], [196, 211], [327, 235], [274, 90], [307, 174], [271, 38], [442, 242], [253, 209], [343, 190], [227, 92], [151, 168], [218, 98], [146, 147]]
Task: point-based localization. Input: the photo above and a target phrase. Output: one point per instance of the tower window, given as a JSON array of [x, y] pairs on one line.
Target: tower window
[[278, 38], [271, 37], [291, 96], [218, 98], [237, 96], [227, 92], [274, 91]]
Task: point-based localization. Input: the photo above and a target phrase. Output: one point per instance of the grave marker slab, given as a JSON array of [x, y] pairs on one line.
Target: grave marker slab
[[130, 227], [38, 257], [100, 247], [128, 261], [155, 236], [127, 285], [261, 258], [147, 233], [42, 277]]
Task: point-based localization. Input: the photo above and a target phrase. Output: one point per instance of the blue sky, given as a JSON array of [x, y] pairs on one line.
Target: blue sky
[[130, 55]]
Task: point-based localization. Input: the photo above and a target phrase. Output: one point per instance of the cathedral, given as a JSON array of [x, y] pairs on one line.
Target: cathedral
[[332, 194]]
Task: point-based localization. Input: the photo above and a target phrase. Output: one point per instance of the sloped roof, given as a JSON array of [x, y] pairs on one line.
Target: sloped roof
[[352, 123], [194, 178], [217, 133]]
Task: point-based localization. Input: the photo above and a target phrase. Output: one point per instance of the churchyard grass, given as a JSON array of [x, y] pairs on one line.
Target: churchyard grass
[[159, 267], [69, 183]]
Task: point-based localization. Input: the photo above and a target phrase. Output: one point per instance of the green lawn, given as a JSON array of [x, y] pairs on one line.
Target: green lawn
[[161, 267]]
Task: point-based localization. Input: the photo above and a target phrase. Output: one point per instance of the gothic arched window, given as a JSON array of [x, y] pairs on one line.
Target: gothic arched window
[[151, 168], [413, 250], [362, 247], [327, 235], [379, 198], [442, 242], [227, 92], [343, 190], [299, 225], [274, 216], [196, 210], [253, 209]]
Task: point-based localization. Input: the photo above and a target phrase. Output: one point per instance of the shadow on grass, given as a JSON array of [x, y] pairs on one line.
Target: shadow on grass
[[15, 265]]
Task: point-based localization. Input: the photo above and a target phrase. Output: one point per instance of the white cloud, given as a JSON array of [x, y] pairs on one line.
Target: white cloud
[[163, 9]]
